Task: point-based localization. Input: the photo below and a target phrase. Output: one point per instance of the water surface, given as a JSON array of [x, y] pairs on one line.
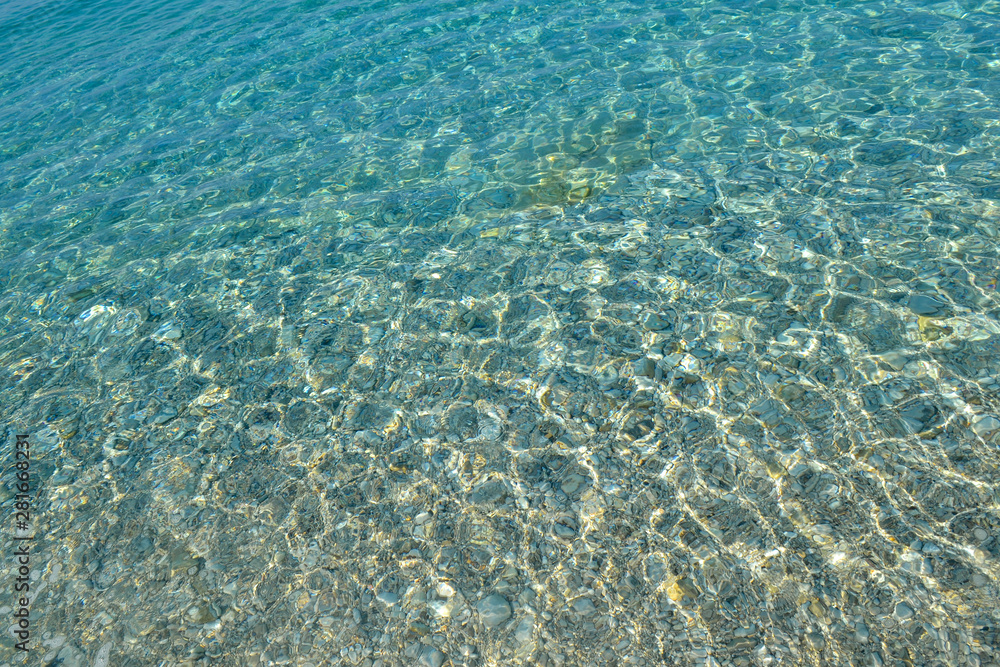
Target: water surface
[[502, 332]]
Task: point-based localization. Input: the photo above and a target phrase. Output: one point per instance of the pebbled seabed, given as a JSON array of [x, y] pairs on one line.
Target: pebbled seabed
[[494, 333]]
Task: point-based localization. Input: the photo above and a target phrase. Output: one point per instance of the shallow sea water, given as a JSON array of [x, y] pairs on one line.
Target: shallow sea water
[[500, 333]]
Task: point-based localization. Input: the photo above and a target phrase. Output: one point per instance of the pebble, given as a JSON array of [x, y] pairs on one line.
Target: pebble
[[169, 331], [431, 657], [487, 492], [653, 322], [584, 606], [493, 610], [983, 425], [103, 655], [921, 304], [525, 630], [387, 598], [903, 611], [200, 614], [440, 608], [572, 484], [164, 415], [895, 359], [644, 367]]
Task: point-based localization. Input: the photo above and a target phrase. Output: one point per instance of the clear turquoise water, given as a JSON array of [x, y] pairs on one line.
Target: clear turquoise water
[[709, 290]]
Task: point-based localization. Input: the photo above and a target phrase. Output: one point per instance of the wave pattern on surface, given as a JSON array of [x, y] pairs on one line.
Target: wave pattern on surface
[[499, 333]]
